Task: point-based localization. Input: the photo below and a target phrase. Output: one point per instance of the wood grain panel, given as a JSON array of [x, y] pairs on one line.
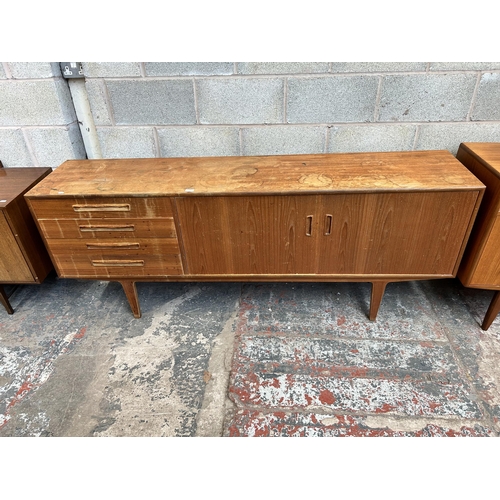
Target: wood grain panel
[[115, 258], [249, 235], [15, 181], [244, 175], [28, 237], [92, 208], [13, 266], [414, 233], [377, 234], [486, 272], [486, 217], [486, 152], [109, 228]]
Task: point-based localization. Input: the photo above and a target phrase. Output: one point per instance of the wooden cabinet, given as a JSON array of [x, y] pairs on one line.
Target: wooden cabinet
[[376, 217], [480, 266], [23, 257]]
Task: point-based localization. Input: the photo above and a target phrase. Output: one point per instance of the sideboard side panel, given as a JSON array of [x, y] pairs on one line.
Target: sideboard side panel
[[481, 236], [13, 266], [487, 269]]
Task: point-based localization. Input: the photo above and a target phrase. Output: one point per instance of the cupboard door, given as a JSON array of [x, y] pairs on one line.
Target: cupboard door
[[250, 234], [395, 233]]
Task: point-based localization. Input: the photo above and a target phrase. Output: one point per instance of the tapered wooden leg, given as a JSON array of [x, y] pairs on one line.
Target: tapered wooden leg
[[133, 299], [492, 311], [378, 289], [4, 300]]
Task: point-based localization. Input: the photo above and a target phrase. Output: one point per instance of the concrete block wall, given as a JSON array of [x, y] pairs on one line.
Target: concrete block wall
[[162, 109], [38, 124], [232, 108]]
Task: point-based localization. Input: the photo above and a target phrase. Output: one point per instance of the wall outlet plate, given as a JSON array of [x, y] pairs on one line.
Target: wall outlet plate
[[72, 70]]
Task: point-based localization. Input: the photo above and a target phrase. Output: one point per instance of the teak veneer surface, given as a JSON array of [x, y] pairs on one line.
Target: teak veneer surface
[[15, 181], [480, 267], [486, 152], [13, 266], [365, 233], [236, 175]]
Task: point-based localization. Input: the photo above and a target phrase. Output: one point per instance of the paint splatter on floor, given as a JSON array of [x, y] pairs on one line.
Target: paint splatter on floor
[[308, 362]]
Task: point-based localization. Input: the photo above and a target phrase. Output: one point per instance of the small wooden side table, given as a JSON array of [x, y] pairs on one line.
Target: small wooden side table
[[480, 267], [23, 257]]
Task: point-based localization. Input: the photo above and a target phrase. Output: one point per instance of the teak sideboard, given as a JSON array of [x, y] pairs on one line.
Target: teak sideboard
[[23, 257], [480, 267], [373, 217]]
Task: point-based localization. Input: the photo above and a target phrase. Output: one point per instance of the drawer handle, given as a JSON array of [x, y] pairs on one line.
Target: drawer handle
[[106, 227], [309, 225], [328, 224], [124, 246], [116, 207], [118, 263]]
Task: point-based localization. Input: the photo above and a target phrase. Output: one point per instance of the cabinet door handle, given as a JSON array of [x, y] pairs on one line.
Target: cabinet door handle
[[107, 227], [309, 225], [328, 224], [112, 207], [120, 245]]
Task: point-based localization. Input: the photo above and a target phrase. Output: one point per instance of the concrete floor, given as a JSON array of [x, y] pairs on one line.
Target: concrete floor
[[243, 359]]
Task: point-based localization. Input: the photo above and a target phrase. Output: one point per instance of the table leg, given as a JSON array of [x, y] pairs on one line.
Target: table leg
[[378, 289], [492, 311], [4, 300], [131, 293]]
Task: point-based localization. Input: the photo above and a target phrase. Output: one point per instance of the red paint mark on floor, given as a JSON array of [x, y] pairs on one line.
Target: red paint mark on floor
[[326, 397], [385, 408], [81, 333], [39, 372], [250, 423], [341, 320], [433, 405], [21, 392], [427, 344]]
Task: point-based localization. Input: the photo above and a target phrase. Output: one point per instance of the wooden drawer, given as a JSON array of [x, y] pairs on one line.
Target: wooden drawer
[[109, 258], [110, 228], [98, 208]]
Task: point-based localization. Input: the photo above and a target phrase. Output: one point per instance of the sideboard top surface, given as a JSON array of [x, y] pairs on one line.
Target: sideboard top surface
[[243, 175], [487, 153], [15, 180]]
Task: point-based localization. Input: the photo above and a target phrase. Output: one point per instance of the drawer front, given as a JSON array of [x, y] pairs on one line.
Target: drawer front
[[108, 258], [99, 208], [109, 228]]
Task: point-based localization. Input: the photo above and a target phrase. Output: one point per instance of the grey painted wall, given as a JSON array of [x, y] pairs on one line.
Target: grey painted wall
[[225, 108], [38, 125]]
